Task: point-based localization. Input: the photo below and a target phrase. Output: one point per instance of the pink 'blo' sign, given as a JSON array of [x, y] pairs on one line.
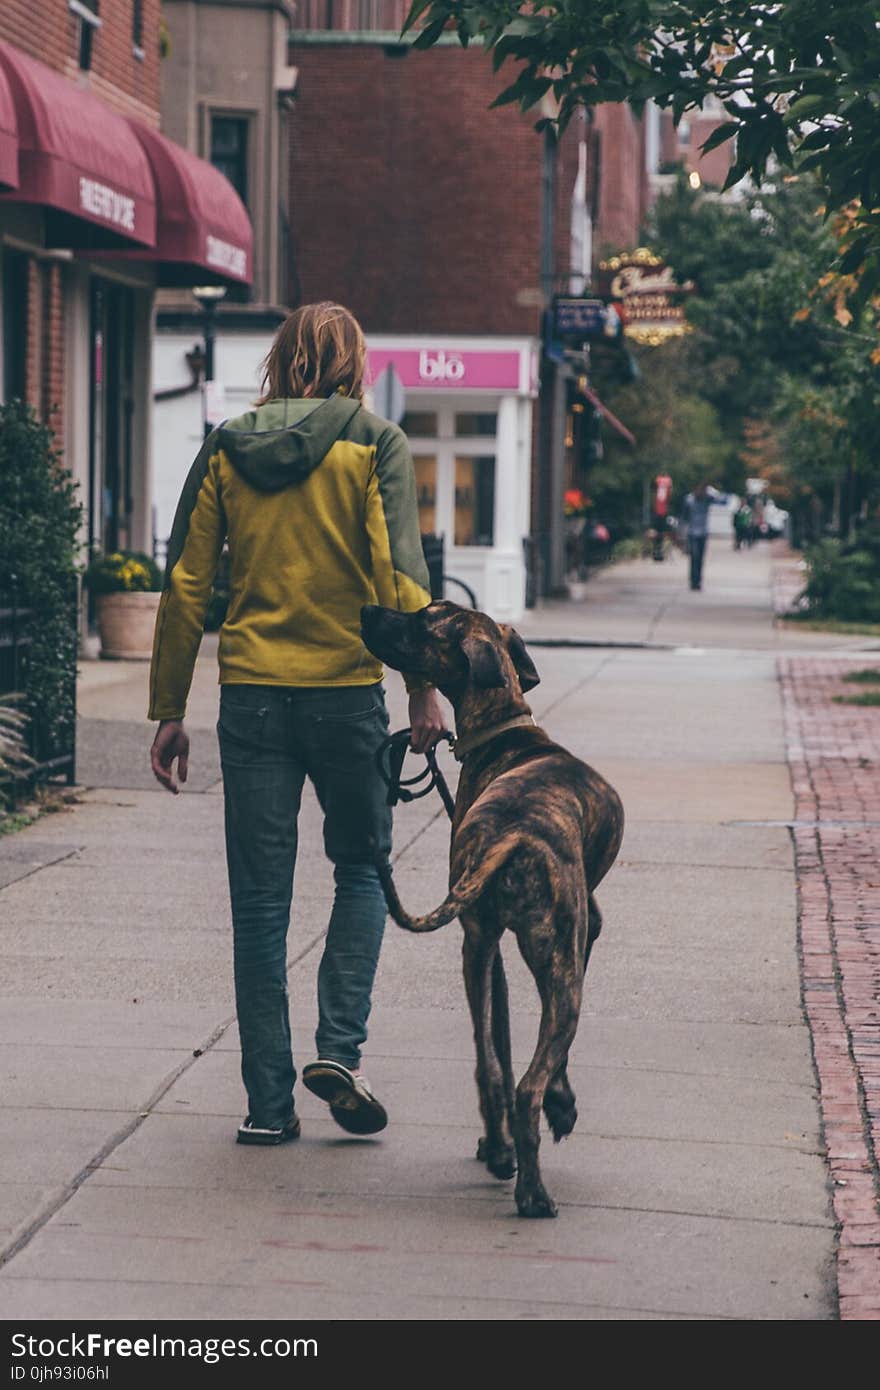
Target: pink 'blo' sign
[[448, 369]]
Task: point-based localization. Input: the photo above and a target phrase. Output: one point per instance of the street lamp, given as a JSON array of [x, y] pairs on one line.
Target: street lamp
[[209, 297]]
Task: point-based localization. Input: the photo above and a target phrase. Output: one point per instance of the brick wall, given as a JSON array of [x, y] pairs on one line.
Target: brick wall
[[713, 167], [34, 343], [44, 346], [622, 193], [413, 203], [52, 403], [47, 30]]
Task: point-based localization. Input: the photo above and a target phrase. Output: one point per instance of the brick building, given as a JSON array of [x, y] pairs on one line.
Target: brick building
[[448, 227], [97, 209], [227, 94]]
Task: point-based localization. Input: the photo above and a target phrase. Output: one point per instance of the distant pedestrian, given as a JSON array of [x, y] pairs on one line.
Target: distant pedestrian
[[742, 525], [316, 500], [660, 512], [696, 514]]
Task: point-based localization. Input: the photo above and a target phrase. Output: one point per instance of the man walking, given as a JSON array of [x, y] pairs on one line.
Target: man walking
[[316, 500], [696, 514]]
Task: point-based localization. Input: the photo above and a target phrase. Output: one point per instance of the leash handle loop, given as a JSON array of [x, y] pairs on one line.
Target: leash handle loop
[[390, 758]]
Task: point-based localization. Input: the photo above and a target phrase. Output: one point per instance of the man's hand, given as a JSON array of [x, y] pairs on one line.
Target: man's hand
[[171, 741], [426, 720]]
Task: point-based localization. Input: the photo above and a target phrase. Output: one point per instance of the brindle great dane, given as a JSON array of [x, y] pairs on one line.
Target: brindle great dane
[[534, 831]]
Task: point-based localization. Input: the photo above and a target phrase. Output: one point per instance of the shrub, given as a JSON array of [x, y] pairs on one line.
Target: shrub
[[844, 580], [39, 520]]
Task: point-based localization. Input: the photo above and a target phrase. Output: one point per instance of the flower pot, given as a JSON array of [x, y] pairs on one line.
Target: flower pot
[[126, 622]]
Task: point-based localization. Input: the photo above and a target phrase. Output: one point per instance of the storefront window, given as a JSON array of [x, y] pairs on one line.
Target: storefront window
[[420, 424], [484, 425], [475, 500], [426, 492]]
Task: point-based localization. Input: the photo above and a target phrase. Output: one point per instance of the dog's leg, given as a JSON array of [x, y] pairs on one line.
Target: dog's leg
[[560, 983], [495, 1149], [559, 1103], [594, 927], [501, 1031]]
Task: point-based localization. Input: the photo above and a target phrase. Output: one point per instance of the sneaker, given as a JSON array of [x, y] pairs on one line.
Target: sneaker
[[352, 1103], [250, 1133]]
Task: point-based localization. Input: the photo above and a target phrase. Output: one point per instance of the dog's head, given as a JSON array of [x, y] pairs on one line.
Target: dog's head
[[454, 648]]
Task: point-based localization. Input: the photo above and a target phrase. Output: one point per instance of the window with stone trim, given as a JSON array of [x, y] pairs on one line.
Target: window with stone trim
[[229, 150], [89, 22], [137, 28]]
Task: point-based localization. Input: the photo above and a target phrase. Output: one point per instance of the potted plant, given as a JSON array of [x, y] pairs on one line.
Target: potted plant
[[576, 505], [125, 586]]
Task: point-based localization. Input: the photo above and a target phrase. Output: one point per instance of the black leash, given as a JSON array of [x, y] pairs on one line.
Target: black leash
[[390, 759]]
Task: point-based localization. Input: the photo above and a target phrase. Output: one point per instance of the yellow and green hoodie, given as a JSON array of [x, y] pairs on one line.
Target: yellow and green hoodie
[[317, 502]]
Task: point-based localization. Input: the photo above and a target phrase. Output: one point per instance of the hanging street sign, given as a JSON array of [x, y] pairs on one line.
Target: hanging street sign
[[649, 295], [583, 320]]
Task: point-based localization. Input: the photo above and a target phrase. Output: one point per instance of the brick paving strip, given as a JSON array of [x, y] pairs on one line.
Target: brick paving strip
[[834, 755]]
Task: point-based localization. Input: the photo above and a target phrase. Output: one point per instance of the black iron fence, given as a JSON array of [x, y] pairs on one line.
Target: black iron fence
[[51, 743]]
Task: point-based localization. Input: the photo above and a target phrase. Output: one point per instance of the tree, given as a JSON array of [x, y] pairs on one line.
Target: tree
[[677, 430], [788, 375], [797, 81]]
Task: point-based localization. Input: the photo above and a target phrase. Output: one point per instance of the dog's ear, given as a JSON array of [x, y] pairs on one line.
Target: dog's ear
[[525, 667], [487, 670]]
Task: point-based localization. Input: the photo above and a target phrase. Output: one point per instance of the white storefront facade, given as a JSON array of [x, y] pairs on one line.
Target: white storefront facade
[[467, 409]]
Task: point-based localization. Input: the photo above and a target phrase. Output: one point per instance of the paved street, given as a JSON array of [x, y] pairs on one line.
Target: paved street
[[695, 1185]]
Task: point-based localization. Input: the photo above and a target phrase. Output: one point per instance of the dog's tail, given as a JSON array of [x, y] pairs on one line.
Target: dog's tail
[[470, 886]]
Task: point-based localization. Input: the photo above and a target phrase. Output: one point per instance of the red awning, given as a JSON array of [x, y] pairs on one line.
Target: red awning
[[608, 415], [78, 157], [8, 136], [204, 234]]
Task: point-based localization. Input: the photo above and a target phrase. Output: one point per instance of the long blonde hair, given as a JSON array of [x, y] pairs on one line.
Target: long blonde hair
[[319, 350]]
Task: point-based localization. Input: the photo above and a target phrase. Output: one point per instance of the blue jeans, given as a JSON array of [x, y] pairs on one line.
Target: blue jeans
[[271, 739], [697, 552]]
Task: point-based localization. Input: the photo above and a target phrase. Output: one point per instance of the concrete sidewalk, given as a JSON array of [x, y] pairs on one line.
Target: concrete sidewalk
[[695, 1184]]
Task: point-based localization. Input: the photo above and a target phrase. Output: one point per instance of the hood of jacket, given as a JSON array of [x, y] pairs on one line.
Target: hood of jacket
[[280, 443]]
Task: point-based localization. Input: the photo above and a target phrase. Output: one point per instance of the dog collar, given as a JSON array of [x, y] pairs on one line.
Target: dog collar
[[463, 746]]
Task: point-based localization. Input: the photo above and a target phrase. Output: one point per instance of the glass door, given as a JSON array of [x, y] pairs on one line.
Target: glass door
[[426, 492], [454, 455]]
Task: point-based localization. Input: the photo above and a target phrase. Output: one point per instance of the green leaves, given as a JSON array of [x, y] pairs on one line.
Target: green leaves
[[725, 131], [811, 108], [820, 59]]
